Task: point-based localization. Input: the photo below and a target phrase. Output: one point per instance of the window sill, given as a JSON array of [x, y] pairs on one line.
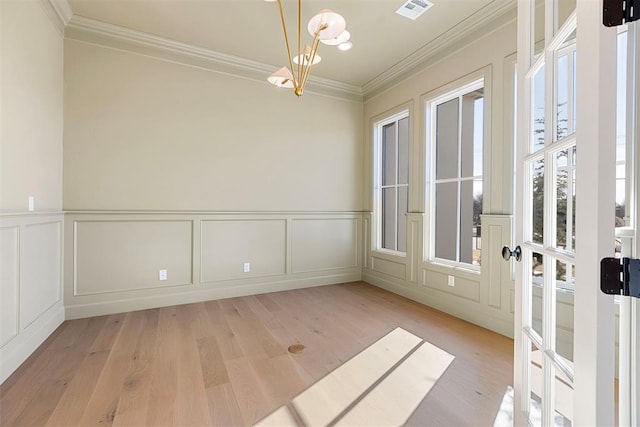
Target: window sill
[[457, 270], [389, 255]]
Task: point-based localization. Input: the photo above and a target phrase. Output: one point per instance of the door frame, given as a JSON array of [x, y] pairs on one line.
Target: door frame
[[594, 362]]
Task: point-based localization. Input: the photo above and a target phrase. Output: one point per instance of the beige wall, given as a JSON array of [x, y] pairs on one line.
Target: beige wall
[[31, 108], [31, 165], [112, 261], [481, 297], [212, 171], [147, 134]]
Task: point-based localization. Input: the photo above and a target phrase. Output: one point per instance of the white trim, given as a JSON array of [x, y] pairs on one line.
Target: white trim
[[595, 330], [80, 310], [104, 34], [453, 90], [397, 114], [63, 10], [494, 15], [54, 17], [15, 352]]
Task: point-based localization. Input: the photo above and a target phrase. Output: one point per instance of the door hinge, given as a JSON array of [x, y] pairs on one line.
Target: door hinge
[[619, 12], [620, 276]]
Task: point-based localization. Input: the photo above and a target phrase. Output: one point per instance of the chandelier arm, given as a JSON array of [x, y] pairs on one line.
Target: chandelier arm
[[314, 49], [300, 73], [286, 39]]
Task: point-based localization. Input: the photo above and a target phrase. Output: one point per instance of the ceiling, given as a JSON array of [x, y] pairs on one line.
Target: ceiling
[[251, 29]]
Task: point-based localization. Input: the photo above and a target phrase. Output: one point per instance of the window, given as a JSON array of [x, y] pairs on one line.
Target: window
[[391, 139], [456, 123]]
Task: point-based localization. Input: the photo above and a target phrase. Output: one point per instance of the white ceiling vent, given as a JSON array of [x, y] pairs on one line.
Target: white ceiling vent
[[412, 9]]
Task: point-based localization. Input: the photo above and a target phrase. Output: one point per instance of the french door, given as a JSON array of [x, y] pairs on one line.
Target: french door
[[564, 347]]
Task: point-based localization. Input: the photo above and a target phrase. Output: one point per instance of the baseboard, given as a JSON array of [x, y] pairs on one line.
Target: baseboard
[[459, 307], [205, 294], [16, 351]]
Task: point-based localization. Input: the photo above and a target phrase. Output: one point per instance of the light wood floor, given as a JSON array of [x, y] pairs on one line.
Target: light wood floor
[[226, 362]]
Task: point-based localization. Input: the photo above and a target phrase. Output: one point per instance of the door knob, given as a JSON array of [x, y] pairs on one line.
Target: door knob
[[508, 253]]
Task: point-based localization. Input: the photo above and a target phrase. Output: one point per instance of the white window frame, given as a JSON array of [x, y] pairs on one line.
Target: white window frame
[[377, 178], [454, 90]]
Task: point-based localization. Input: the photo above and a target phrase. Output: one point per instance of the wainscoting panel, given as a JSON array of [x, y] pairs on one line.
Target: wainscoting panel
[[40, 269], [390, 268], [366, 227], [228, 244], [324, 244], [496, 233], [9, 283], [462, 287], [30, 284], [116, 255], [482, 297], [112, 259]]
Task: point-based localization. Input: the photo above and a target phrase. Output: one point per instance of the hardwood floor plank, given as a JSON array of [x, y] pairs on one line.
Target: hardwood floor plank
[[253, 403], [281, 378], [393, 401], [73, 402], [134, 397], [227, 342], [191, 408], [327, 398], [164, 370], [223, 406], [226, 362], [213, 370], [103, 403], [52, 378], [279, 418]]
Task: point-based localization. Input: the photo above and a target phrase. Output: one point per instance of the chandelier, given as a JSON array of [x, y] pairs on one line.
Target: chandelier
[[327, 27]]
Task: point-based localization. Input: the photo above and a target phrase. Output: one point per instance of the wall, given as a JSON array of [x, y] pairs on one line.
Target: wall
[[31, 165], [485, 297], [146, 134], [178, 168]]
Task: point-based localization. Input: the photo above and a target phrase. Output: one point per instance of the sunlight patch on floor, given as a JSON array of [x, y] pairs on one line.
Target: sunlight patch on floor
[[382, 385]]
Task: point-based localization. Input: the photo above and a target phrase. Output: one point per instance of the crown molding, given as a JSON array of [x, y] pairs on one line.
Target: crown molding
[[494, 15], [109, 35], [58, 12], [63, 10]]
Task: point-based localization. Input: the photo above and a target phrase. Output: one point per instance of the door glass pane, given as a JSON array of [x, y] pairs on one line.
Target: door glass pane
[[537, 112], [565, 285], [537, 201], [571, 201], [537, 282], [562, 96], [403, 204], [564, 86], [538, 27], [389, 218], [565, 199], [621, 120], [537, 387], [446, 220], [389, 154], [447, 140]]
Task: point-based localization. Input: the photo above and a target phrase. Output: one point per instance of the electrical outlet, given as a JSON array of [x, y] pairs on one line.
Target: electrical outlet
[[162, 275], [246, 267], [32, 203], [451, 281]]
